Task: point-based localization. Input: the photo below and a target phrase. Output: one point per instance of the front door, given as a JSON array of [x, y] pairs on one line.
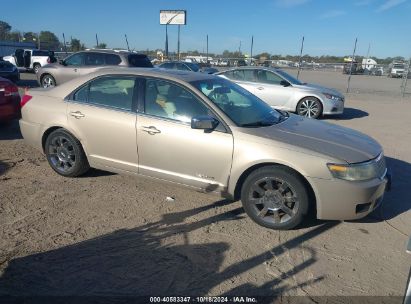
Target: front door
[[73, 67], [102, 115], [170, 149]]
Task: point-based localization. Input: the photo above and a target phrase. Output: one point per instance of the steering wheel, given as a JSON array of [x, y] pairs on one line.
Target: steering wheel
[[220, 98]]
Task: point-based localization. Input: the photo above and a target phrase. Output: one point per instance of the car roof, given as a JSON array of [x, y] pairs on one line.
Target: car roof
[[274, 69], [184, 76], [110, 51]]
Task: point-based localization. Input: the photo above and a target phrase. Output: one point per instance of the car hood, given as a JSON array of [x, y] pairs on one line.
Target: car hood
[[328, 139], [319, 89]]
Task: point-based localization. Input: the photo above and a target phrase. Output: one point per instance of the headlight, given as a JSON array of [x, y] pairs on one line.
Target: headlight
[[359, 172], [332, 97]]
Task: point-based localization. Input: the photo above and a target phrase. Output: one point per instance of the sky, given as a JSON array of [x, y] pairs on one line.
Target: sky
[[330, 27]]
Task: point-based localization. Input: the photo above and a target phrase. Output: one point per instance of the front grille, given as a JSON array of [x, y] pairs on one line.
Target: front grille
[[380, 166]]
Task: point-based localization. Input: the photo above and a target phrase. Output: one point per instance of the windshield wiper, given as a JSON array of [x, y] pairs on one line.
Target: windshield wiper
[[258, 124]]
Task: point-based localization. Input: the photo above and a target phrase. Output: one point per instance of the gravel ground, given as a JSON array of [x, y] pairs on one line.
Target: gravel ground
[[109, 234]]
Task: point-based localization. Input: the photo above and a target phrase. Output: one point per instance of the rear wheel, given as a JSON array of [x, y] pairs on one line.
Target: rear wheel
[[65, 154], [310, 107], [48, 81], [275, 197]]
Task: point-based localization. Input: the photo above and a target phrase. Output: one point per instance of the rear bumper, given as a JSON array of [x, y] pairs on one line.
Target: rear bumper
[[344, 200], [31, 133], [9, 111]]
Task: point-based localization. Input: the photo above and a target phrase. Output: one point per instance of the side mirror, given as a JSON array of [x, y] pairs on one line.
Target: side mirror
[[204, 123], [285, 83]]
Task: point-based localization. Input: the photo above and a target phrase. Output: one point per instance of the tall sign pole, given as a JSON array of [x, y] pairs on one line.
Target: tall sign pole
[[301, 57], [65, 45], [178, 43], [166, 42], [352, 61], [96, 41]]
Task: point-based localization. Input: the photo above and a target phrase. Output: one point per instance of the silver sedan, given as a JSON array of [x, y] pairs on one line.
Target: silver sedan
[[282, 91]]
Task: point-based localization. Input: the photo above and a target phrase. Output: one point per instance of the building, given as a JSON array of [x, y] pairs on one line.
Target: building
[[9, 47]]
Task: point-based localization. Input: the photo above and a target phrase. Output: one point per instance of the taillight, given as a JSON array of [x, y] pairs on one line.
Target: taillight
[[11, 90], [25, 99]]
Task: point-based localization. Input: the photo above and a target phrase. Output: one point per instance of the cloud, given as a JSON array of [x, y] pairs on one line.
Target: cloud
[[290, 3], [389, 4], [332, 14]]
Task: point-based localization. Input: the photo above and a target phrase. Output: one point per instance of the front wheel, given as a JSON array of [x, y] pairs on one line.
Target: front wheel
[[310, 107], [36, 68], [48, 81], [65, 154], [275, 197]]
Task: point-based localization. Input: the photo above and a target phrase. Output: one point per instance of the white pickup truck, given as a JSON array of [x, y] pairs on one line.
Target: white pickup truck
[[30, 60]]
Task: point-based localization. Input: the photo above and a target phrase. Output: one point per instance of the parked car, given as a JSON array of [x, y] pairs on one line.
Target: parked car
[[282, 91], [396, 69], [9, 71], [209, 134], [30, 60], [9, 101], [88, 61], [186, 66]]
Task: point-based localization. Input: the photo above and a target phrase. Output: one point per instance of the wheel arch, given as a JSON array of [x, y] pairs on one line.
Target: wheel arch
[[248, 171], [44, 75], [53, 128]]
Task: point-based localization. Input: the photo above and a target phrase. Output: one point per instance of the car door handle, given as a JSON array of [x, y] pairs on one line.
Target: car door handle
[[151, 130], [260, 88], [77, 114]]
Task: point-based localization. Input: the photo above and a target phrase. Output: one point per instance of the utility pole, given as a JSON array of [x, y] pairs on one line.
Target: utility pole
[[251, 53], [352, 61], [178, 43], [301, 57], [166, 41], [239, 48], [65, 45], [368, 54], [96, 41], [128, 47], [207, 50]]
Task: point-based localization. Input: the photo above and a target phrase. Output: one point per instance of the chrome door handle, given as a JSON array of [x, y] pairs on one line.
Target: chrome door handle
[[151, 130], [77, 114], [260, 88]]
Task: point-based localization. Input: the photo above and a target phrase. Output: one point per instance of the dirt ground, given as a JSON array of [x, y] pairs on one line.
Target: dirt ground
[[110, 234]]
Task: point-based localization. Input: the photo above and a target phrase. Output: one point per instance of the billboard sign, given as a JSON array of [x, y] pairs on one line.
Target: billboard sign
[[173, 17]]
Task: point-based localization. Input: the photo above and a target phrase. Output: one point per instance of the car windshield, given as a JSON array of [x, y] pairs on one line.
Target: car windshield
[[288, 77], [140, 61], [194, 67], [398, 66], [242, 107]]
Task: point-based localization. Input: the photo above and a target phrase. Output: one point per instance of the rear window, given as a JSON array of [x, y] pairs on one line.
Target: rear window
[[41, 53], [112, 59], [141, 61]]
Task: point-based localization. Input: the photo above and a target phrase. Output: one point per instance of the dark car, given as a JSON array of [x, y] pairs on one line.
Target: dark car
[[9, 101], [86, 62], [9, 71]]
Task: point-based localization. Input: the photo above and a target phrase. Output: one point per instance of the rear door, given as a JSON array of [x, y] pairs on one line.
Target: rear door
[[102, 115]]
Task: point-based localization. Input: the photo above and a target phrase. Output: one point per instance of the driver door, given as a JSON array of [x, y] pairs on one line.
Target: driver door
[[73, 67], [170, 149]]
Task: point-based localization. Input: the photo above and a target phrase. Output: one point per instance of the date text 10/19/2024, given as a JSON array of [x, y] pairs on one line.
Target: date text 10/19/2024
[[203, 300]]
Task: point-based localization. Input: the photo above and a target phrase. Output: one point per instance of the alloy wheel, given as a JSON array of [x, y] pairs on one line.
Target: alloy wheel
[[274, 200], [309, 108], [62, 154], [48, 82]]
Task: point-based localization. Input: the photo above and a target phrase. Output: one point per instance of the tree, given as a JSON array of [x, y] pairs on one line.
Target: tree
[[101, 45], [49, 40], [14, 36], [5, 28], [75, 45]]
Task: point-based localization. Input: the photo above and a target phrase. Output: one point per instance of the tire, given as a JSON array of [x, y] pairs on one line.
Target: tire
[[275, 197], [47, 81], [310, 107], [65, 154], [36, 68]]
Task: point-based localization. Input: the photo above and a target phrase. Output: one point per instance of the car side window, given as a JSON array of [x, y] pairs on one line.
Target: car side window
[[182, 67], [112, 59], [112, 91], [94, 59], [268, 77], [75, 60], [249, 75], [168, 100]]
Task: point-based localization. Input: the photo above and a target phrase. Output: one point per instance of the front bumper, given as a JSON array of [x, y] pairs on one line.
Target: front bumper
[[331, 107], [345, 200]]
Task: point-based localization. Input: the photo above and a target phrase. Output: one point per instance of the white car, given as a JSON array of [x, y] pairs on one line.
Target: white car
[[284, 92], [30, 60]]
